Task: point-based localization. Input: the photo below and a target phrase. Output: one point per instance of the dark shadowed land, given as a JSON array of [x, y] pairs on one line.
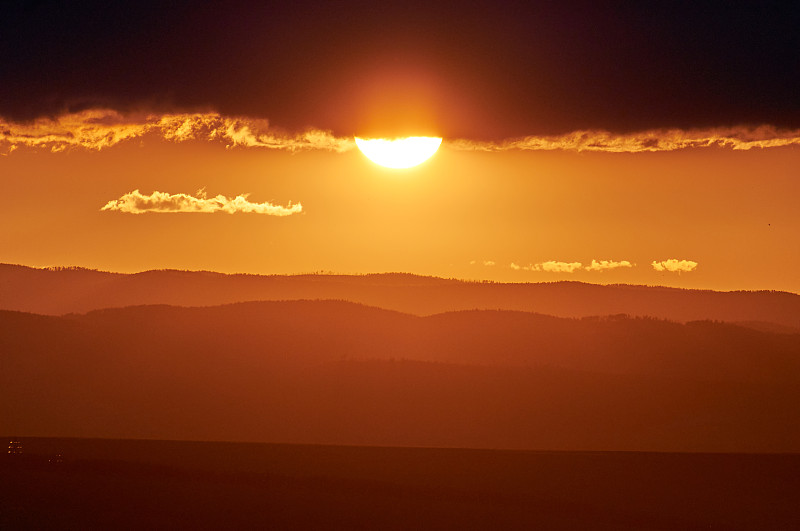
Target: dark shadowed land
[[328, 372], [60, 291], [103, 484]]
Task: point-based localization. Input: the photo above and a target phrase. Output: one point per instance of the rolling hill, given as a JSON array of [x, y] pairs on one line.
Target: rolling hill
[[342, 373], [65, 290]]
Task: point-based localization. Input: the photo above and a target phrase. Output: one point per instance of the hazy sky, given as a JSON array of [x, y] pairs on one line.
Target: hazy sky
[[656, 145]]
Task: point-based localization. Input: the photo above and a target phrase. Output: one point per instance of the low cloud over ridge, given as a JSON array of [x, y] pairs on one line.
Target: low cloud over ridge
[[675, 266], [550, 266], [602, 265], [137, 203], [553, 266]]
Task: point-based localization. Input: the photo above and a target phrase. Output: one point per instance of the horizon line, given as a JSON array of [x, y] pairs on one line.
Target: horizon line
[[330, 273]]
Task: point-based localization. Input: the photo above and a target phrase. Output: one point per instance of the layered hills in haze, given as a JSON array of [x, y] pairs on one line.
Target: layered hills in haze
[[58, 291], [337, 372]]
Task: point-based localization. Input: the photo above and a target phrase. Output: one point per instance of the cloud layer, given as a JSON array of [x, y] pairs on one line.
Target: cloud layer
[[675, 266], [101, 128], [137, 203], [738, 138], [96, 129]]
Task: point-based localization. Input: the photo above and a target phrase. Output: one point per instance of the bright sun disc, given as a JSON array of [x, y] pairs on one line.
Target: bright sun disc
[[401, 152]]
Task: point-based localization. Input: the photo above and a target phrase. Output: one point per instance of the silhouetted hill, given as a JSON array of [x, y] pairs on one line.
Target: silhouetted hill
[[66, 290], [343, 373]]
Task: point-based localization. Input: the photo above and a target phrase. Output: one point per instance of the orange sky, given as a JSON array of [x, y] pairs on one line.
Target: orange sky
[[465, 213]]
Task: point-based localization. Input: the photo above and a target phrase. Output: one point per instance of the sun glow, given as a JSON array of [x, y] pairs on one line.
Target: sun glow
[[401, 152]]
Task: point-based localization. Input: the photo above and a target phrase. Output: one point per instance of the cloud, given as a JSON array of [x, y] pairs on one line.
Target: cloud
[[549, 267], [553, 266], [602, 265], [137, 203], [558, 267], [738, 138], [96, 129], [675, 265]]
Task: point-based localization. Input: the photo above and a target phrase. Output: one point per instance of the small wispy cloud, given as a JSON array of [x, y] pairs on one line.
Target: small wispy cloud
[[558, 267], [675, 266], [137, 203], [602, 265], [738, 138], [97, 129], [554, 266], [551, 266]]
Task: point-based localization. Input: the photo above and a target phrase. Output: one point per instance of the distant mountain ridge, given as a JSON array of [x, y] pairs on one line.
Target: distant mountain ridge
[[336, 372], [58, 291]]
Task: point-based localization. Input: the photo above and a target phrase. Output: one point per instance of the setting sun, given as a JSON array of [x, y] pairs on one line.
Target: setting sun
[[401, 152]]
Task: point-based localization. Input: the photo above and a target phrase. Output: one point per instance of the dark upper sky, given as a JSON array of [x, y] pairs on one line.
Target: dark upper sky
[[475, 69]]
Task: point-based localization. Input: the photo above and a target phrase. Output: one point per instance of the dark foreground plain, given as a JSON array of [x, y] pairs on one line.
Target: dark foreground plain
[[105, 484]]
